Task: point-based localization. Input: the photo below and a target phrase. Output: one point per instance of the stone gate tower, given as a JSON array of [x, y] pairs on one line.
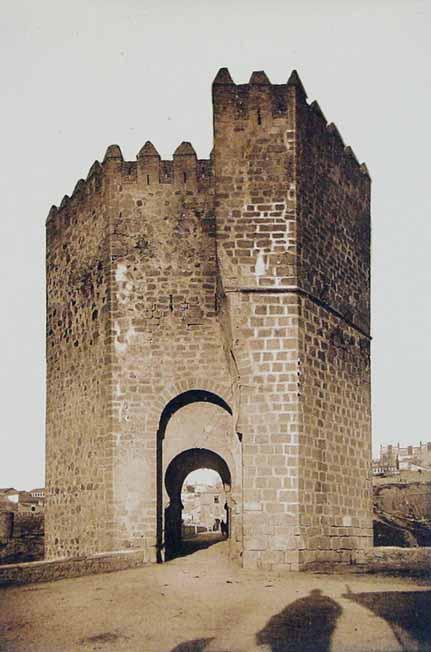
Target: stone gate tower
[[214, 313]]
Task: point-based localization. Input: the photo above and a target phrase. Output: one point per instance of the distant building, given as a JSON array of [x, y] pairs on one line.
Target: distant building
[[384, 468], [203, 506], [31, 501], [404, 458], [10, 495], [37, 493], [22, 501]]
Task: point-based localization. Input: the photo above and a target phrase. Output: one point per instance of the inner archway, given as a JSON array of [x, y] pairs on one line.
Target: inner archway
[[181, 467], [196, 430]]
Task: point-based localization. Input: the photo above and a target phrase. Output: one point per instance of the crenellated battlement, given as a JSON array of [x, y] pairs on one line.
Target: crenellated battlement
[[184, 172], [260, 102], [236, 106], [253, 101]]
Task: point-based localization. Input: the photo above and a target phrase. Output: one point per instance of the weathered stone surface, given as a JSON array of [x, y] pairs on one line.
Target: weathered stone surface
[[21, 537], [244, 278], [393, 559], [49, 570]]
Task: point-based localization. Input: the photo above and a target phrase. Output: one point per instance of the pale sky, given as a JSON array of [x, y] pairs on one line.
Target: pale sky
[[77, 76], [203, 476]]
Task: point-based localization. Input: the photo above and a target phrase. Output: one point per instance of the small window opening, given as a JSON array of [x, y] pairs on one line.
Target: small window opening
[[185, 177], [148, 179], [259, 117]]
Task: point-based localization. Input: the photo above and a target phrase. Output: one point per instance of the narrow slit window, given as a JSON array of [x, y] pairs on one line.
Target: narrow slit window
[[148, 179]]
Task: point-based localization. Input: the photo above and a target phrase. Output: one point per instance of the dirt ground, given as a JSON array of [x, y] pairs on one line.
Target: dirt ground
[[204, 603]]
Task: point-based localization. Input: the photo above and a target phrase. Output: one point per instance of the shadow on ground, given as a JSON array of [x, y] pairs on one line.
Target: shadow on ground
[[305, 624], [188, 546], [308, 624], [408, 613], [198, 645]]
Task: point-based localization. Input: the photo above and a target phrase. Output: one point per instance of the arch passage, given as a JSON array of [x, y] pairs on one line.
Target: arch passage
[[191, 396], [177, 471], [190, 438], [191, 460]]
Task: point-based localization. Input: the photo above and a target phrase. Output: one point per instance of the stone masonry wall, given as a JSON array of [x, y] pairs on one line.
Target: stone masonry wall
[[58, 569], [335, 440], [165, 336], [78, 437], [333, 231], [254, 174], [255, 205], [292, 215], [269, 423], [333, 224], [152, 307]]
